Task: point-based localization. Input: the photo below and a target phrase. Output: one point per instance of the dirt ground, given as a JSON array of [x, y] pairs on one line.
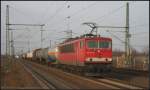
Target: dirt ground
[[13, 75], [140, 81]]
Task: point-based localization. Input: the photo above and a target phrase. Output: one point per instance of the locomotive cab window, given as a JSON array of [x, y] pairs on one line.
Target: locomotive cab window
[[92, 44], [104, 44], [99, 44]]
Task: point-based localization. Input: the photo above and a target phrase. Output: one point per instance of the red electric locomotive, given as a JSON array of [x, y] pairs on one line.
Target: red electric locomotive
[[89, 52]]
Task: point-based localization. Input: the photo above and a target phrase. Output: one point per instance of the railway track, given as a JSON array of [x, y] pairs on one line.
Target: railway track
[[130, 71], [43, 82], [124, 78], [101, 81], [109, 83], [49, 81]]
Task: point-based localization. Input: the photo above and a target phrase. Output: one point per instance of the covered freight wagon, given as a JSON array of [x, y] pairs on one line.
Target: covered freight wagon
[[29, 55], [45, 55], [41, 54]]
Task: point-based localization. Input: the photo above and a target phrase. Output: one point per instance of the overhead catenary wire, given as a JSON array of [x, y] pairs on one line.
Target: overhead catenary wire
[[131, 45], [76, 13], [22, 14], [25, 14], [140, 33], [108, 14], [116, 37], [57, 11], [83, 9], [21, 34], [141, 25], [46, 10]]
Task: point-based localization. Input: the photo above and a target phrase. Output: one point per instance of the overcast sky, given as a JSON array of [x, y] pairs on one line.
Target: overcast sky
[[54, 15]]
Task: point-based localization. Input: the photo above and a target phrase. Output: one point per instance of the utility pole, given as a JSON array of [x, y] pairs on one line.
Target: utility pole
[[8, 65], [12, 44], [69, 32], [50, 42], [42, 36], [28, 46], [9, 37], [7, 32], [127, 36], [21, 51]]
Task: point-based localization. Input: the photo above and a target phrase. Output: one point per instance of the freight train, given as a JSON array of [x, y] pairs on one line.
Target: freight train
[[88, 53]]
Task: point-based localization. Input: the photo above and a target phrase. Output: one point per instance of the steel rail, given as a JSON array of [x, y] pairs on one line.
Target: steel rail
[[44, 83]]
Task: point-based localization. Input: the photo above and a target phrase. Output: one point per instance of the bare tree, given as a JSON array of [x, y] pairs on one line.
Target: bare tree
[[146, 50], [134, 52]]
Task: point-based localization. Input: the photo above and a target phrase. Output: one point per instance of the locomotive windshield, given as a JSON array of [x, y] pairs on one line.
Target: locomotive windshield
[[92, 44], [104, 44], [99, 44]]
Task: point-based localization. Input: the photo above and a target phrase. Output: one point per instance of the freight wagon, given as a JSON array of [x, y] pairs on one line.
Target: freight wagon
[[29, 55], [40, 55], [45, 55], [52, 56]]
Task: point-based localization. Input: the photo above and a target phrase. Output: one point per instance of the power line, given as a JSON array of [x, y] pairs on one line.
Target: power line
[[138, 33], [57, 11], [117, 37], [25, 14], [110, 13], [131, 45], [141, 25], [45, 11], [83, 9], [88, 7], [74, 14]]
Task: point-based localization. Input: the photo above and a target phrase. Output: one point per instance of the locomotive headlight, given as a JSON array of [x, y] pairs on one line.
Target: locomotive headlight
[[56, 49], [109, 59]]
